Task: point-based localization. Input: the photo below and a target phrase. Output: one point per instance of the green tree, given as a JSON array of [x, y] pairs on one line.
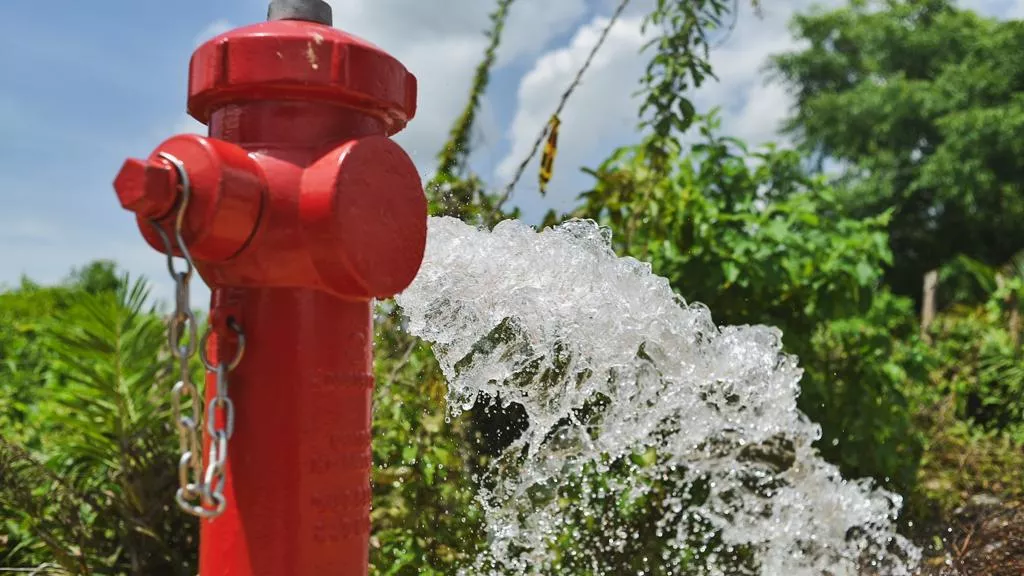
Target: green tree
[[92, 491], [924, 102], [747, 233], [28, 315], [920, 103], [96, 277]]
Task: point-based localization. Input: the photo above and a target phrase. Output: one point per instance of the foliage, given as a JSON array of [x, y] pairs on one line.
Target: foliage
[[425, 519], [104, 441], [680, 62], [985, 383], [454, 190], [27, 315], [747, 234], [861, 373], [924, 102], [921, 102], [94, 492], [970, 416], [960, 461], [42, 516]]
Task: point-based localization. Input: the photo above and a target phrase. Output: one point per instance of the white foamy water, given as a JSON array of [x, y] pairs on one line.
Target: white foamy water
[[656, 438]]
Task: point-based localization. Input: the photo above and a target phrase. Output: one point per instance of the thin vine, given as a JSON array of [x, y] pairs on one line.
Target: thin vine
[[453, 191]]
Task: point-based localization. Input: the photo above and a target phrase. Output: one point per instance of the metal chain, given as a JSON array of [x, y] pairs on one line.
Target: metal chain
[[195, 484], [212, 489]]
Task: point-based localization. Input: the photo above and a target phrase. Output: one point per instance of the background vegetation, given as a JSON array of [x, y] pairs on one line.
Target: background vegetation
[[909, 165]]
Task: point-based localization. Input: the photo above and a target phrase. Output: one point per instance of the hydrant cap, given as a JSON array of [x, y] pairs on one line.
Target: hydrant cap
[[296, 60], [364, 215]]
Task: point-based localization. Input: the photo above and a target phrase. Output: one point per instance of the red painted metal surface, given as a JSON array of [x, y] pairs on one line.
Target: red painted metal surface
[[302, 210]]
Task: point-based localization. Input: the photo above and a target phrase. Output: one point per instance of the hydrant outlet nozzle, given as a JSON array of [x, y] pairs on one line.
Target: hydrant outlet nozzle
[[147, 187], [306, 10]]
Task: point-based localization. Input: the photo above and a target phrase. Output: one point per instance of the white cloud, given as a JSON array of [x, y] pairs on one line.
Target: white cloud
[[601, 113], [532, 24], [752, 108], [441, 44]]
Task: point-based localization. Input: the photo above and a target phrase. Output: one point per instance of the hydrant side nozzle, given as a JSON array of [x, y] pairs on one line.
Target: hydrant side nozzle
[[226, 195]]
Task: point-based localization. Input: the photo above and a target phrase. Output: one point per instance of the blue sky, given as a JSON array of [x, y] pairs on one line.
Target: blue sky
[[86, 87]]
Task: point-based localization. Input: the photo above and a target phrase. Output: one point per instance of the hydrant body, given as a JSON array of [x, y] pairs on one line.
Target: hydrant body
[[301, 212]]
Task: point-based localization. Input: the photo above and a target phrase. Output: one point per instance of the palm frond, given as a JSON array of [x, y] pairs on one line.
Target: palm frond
[[46, 506], [109, 402]]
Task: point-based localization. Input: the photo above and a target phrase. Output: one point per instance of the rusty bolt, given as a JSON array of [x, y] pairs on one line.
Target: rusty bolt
[[147, 187]]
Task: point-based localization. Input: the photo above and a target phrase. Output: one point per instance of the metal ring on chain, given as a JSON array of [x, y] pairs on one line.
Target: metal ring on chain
[[184, 464], [220, 503], [214, 479], [238, 353], [174, 335], [229, 415]]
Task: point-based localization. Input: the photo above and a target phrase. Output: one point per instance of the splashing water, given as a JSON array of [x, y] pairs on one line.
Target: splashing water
[[655, 439]]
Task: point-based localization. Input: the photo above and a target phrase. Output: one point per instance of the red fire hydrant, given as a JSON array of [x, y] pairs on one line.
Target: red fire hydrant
[[297, 211]]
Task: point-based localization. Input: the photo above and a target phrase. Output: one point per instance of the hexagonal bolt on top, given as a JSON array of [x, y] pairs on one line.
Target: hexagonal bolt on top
[[306, 10]]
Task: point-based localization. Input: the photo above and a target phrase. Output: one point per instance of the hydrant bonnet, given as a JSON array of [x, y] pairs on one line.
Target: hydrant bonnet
[[293, 60]]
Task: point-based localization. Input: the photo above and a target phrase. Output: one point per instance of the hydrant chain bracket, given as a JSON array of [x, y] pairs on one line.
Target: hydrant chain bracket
[[289, 60]]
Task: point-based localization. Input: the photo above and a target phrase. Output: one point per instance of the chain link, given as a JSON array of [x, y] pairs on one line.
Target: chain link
[[200, 492]]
